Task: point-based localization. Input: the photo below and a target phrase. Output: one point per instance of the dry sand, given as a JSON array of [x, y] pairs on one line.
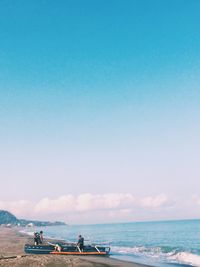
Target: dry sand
[[12, 254]]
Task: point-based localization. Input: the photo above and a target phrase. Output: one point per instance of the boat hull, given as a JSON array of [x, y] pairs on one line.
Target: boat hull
[[79, 253], [66, 249]]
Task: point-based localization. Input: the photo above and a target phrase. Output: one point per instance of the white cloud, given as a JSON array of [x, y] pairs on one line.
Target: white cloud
[[83, 202], [61, 204], [115, 205], [155, 202], [105, 201]]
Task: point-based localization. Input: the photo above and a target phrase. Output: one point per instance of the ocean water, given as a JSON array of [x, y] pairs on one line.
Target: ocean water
[[166, 243]]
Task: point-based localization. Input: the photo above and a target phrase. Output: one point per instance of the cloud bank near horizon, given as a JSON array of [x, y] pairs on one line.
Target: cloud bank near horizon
[[113, 206]]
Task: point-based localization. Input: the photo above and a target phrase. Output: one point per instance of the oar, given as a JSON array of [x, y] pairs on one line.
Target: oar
[[97, 249], [79, 249]]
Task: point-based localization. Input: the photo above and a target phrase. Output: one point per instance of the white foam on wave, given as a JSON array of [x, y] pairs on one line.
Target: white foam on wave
[[186, 258], [158, 254], [27, 232], [142, 251], [126, 250]]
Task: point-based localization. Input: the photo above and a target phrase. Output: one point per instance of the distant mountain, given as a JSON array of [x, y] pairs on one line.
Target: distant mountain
[[8, 218], [39, 223]]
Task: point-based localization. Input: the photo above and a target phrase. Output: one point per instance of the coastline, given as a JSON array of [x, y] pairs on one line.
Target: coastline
[[12, 254]]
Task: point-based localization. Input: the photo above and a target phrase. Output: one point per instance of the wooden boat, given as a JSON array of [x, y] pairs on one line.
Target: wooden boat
[[67, 249]]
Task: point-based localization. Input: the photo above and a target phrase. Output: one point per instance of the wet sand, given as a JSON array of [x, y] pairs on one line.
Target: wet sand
[[12, 254]]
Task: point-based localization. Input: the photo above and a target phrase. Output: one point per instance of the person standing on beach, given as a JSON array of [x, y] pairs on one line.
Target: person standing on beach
[[41, 237], [36, 237], [80, 243]]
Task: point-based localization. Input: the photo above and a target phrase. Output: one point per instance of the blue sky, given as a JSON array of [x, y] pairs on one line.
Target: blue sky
[[100, 99]]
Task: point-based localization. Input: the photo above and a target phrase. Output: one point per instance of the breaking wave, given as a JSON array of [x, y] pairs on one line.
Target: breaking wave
[[187, 258], [163, 254]]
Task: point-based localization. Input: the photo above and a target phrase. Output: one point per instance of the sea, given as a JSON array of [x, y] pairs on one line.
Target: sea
[[162, 243]]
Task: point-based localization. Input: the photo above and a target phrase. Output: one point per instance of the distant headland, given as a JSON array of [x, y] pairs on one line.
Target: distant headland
[[8, 219]]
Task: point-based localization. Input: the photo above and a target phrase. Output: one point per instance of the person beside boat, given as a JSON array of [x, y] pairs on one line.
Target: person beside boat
[[80, 243], [38, 238], [41, 237]]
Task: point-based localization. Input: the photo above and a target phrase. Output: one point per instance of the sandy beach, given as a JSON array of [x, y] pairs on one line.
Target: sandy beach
[[12, 254]]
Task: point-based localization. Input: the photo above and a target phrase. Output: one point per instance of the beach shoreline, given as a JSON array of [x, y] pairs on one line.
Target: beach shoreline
[[12, 254]]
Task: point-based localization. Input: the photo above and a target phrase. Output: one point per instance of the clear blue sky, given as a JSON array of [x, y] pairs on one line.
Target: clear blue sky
[[100, 97]]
